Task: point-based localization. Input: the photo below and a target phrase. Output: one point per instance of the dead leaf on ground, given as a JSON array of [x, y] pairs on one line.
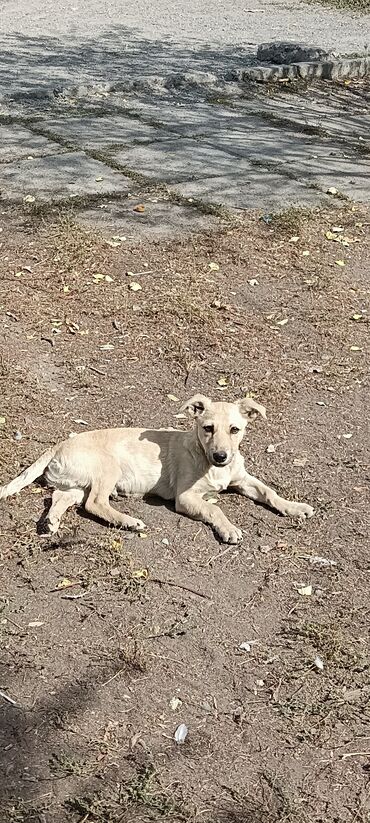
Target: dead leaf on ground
[[175, 703], [305, 591], [140, 574], [300, 461]]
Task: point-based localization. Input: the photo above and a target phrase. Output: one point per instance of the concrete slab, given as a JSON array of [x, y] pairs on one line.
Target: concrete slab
[[103, 132], [317, 160], [17, 142], [346, 121], [59, 176], [188, 119], [260, 190], [179, 159], [161, 220]]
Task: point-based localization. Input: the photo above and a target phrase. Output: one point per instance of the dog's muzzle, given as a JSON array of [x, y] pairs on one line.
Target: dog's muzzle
[[220, 458]]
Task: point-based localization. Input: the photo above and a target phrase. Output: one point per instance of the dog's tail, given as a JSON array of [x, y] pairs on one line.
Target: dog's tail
[[28, 475]]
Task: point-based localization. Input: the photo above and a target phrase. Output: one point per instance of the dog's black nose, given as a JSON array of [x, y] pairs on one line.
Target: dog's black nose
[[219, 457]]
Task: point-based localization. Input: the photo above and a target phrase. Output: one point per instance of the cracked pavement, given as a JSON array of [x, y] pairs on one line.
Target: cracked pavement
[[187, 150]]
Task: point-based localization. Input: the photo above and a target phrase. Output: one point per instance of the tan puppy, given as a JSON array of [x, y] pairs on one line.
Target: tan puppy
[[183, 466]]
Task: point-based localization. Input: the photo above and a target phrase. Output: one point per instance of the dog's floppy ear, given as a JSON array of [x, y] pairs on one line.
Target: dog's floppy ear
[[249, 408], [196, 405]]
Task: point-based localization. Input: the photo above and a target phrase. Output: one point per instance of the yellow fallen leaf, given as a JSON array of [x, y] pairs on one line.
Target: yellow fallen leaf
[[98, 179], [330, 236], [173, 398], [29, 199], [98, 276], [355, 348], [340, 263], [18, 274], [2, 420], [63, 584], [66, 289], [108, 279], [305, 591], [135, 286], [140, 574], [294, 239], [305, 254], [116, 545], [356, 317], [282, 322], [222, 381], [214, 266]]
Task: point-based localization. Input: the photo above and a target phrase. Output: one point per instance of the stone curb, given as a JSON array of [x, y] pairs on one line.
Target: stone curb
[[337, 69], [345, 68]]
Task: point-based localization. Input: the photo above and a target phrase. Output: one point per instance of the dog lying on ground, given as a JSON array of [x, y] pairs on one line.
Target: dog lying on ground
[[184, 466]]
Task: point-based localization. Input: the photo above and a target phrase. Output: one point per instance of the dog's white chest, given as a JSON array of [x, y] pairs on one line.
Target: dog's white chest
[[218, 478]]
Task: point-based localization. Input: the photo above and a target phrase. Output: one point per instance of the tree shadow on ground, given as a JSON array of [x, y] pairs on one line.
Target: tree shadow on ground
[[167, 129], [37, 66]]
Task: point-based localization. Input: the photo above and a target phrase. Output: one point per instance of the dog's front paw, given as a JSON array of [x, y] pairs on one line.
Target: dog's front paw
[[135, 525], [231, 535], [52, 524], [300, 510]]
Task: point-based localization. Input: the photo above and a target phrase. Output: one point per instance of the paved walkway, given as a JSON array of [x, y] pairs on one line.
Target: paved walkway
[[94, 108], [113, 152]]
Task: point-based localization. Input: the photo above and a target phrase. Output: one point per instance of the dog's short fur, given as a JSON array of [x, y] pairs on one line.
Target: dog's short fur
[[183, 466]]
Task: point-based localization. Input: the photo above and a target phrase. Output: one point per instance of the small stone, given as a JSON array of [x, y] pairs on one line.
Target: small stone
[[281, 53], [181, 733]]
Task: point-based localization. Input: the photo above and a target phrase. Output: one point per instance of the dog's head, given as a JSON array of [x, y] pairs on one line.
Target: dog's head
[[221, 426]]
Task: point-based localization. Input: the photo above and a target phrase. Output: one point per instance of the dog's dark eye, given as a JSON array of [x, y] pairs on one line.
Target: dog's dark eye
[[208, 429], [234, 430]]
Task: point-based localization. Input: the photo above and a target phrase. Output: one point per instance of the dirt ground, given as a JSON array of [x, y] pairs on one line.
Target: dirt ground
[[102, 636]]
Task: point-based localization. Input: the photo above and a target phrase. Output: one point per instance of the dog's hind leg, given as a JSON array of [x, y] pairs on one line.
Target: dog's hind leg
[[60, 502], [98, 503]]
